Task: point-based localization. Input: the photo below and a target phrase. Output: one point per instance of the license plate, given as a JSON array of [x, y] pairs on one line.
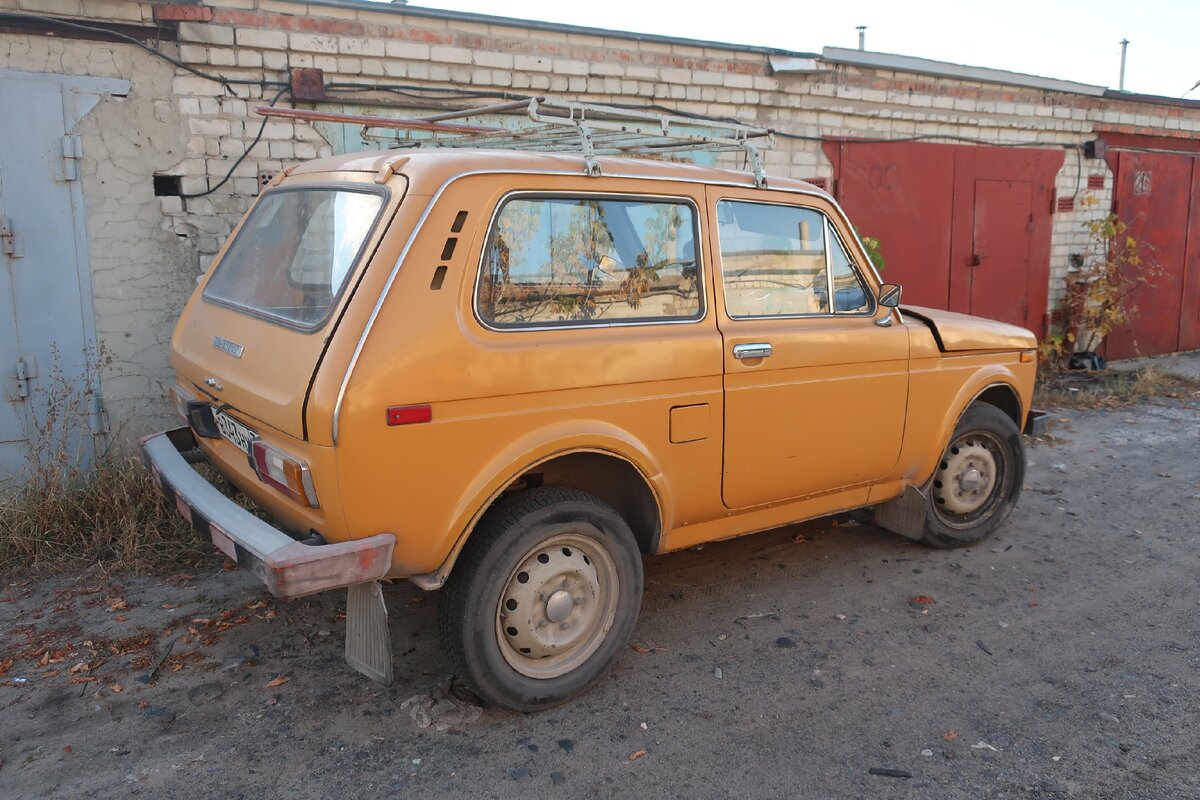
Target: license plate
[[234, 431]]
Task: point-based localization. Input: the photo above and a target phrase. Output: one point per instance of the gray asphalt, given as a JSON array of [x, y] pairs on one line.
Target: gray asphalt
[[1061, 658]]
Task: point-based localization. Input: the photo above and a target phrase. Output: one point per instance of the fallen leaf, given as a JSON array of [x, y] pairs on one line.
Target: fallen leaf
[[49, 675], [922, 600], [77, 679], [950, 735], [120, 617], [258, 604], [118, 604], [115, 688], [45, 659], [82, 666], [169, 606], [280, 681], [637, 755], [4, 665]]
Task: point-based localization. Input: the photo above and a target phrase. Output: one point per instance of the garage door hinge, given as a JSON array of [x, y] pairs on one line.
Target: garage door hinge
[[10, 243], [97, 416], [72, 152], [26, 370]]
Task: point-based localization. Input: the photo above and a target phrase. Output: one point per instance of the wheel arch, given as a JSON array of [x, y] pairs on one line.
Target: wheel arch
[[611, 465], [997, 387]]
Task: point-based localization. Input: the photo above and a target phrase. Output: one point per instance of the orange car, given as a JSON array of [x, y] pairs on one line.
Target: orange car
[[494, 372]]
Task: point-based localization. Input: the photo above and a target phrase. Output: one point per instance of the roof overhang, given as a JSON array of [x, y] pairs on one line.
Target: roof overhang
[[944, 69]]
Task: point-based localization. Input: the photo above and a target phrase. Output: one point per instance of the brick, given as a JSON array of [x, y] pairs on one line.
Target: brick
[[307, 42], [221, 57], [209, 127], [484, 58], [414, 51], [263, 39], [531, 64], [450, 55], [361, 47], [275, 60], [173, 12], [193, 53], [564, 66], [206, 33]]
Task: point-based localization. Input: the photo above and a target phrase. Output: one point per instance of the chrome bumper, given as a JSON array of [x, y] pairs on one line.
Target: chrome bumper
[[287, 567]]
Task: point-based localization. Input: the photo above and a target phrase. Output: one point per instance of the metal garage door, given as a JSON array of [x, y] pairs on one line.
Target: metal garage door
[[46, 323], [1158, 194], [965, 228]]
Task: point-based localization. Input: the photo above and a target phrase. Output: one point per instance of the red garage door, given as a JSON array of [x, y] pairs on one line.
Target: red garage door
[[962, 227], [1158, 194]]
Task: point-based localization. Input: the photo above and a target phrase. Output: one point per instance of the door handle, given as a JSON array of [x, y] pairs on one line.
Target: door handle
[[754, 350]]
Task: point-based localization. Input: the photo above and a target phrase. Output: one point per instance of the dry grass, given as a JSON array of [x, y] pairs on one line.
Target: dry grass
[[1111, 388], [114, 518]]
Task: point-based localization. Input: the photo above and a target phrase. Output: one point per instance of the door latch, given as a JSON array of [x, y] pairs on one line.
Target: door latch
[[10, 243]]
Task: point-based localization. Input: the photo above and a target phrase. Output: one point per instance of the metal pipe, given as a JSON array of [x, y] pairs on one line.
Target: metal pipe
[[1121, 82], [862, 37], [372, 121]]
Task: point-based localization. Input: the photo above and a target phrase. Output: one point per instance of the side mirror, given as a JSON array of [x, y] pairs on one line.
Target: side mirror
[[889, 295]]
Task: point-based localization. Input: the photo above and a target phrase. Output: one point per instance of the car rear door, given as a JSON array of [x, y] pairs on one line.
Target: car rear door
[[815, 373]]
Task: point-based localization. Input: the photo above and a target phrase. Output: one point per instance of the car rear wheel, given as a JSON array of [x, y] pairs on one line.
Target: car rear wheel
[[978, 479], [543, 597]]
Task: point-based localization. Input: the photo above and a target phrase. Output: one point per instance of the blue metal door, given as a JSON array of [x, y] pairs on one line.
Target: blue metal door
[[47, 344]]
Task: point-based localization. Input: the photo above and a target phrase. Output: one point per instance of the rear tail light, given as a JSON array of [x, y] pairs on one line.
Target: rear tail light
[[289, 475], [180, 398]]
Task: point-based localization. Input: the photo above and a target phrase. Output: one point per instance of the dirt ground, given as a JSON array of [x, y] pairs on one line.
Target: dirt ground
[[1059, 659]]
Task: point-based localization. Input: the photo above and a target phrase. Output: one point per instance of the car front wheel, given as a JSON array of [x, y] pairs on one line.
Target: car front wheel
[[977, 480]]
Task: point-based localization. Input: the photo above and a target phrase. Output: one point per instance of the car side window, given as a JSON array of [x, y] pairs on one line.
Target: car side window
[[581, 260], [849, 292], [780, 261]]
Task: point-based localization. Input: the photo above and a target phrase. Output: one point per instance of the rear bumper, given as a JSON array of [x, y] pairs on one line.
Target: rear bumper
[[287, 567]]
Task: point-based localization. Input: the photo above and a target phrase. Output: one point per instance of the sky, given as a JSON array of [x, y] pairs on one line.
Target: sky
[[1070, 39]]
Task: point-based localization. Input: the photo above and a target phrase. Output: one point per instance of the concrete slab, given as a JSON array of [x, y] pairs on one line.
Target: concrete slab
[[1185, 364]]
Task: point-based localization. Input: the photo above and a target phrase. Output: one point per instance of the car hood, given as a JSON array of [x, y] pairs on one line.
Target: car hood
[[957, 332]]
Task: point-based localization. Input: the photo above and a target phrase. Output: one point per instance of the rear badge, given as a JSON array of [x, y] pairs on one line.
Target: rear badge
[[233, 348]]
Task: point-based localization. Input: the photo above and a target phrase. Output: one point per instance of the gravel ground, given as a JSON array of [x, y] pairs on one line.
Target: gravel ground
[[1059, 659]]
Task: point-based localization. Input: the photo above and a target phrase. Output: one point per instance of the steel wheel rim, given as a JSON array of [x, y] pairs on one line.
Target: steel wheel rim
[[557, 606], [972, 478]]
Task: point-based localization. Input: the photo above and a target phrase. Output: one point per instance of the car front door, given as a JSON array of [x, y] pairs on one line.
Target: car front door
[[816, 373]]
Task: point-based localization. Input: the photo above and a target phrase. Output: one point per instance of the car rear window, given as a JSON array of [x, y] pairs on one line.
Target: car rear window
[[587, 260], [291, 258]]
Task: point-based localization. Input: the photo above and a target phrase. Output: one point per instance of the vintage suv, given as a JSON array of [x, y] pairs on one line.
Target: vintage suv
[[513, 374]]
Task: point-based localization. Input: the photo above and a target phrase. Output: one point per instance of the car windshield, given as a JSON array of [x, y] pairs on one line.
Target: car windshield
[[291, 259]]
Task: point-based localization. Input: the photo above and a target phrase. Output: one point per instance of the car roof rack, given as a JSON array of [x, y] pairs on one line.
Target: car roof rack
[[557, 126]]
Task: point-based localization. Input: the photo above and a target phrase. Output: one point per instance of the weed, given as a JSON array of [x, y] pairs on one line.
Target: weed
[[78, 503], [1111, 388]]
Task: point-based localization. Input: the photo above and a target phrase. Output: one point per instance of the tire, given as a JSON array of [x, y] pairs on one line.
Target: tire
[[977, 481], [543, 597]]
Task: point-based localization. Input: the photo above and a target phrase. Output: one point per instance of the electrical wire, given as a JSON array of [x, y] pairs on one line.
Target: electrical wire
[[261, 129], [415, 91], [221, 79]]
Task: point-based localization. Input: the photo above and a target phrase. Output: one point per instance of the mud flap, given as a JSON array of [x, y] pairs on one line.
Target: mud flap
[[368, 643], [905, 514]]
